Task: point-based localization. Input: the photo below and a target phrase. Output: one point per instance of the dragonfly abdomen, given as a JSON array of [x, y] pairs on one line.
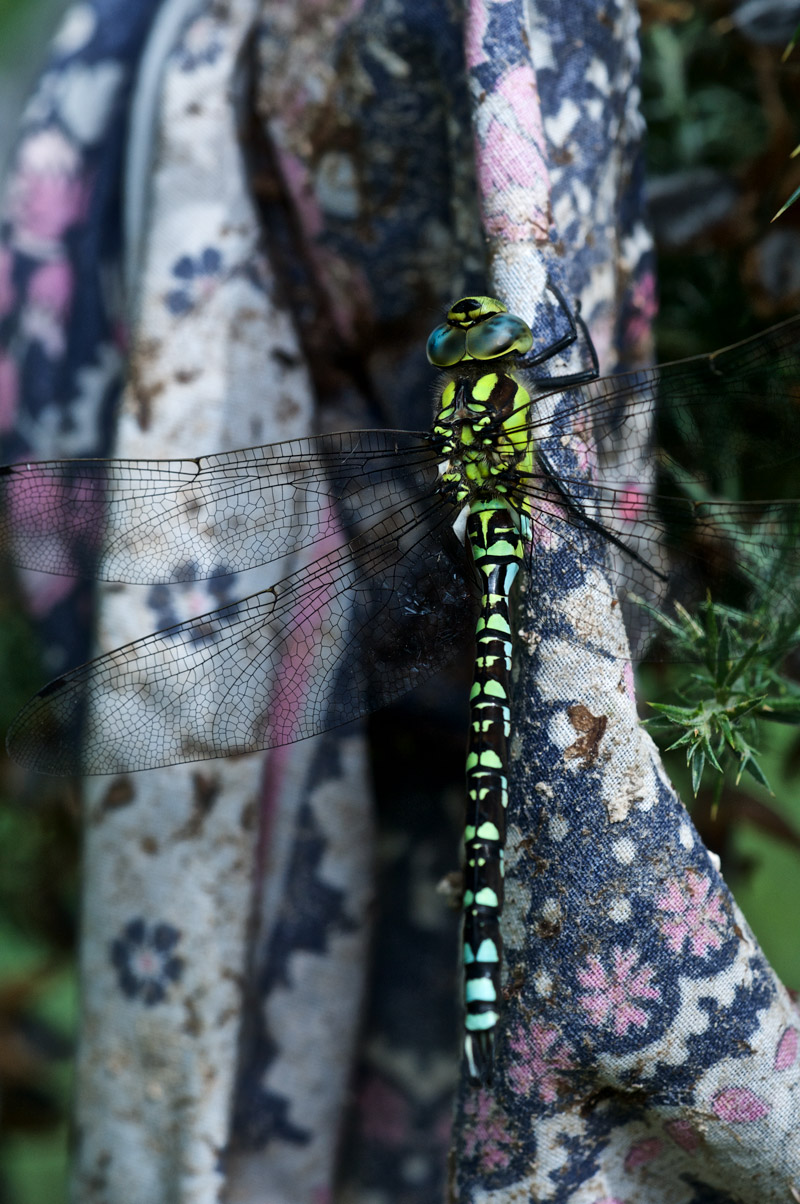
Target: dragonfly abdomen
[[497, 547]]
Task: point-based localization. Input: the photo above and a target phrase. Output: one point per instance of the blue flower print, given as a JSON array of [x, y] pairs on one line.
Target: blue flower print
[[196, 276], [201, 45], [144, 960], [191, 597]]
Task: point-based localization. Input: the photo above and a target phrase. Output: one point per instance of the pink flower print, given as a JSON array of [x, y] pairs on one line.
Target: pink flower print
[[541, 1060], [739, 1105], [512, 172], [643, 1152], [629, 503], [385, 1116], [45, 314], [629, 681], [50, 511], [487, 1132], [511, 160], [583, 452], [6, 284], [544, 514], [786, 1053], [47, 194], [477, 27], [644, 307], [9, 391], [51, 286], [387, 1120], [518, 88], [44, 591], [611, 992], [513, 179], [682, 1134], [695, 917], [442, 1130]]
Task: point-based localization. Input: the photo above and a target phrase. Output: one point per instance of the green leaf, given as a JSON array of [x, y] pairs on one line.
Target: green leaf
[[698, 764], [658, 616], [686, 738], [689, 622], [738, 743], [712, 758], [677, 714], [738, 667], [726, 730], [722, 656], [791, 44], [787, 205], [745, 707], [712, 637], [751, 766], [781, 710]]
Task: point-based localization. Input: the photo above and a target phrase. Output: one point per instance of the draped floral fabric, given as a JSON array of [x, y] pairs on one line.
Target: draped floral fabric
[[61, 315], [251, 215]]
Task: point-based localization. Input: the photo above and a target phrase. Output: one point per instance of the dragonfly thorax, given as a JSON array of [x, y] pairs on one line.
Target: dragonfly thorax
[[482, 415], [481, 421]]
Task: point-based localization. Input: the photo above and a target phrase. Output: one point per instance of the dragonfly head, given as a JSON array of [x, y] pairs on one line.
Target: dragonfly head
[[478, 328]]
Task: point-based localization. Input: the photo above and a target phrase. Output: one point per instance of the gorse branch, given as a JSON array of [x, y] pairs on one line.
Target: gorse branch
[[740, 677]]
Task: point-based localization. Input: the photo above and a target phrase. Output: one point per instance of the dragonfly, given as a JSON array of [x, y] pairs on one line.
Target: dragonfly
[[413, 541]]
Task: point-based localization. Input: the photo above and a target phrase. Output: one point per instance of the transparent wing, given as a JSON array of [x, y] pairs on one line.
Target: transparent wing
[[737, 409], [349, 633], [362, 624], [161, 521], [672, 462], [668, 536]]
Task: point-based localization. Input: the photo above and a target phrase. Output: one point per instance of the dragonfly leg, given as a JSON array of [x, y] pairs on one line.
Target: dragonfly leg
[[576, 326]]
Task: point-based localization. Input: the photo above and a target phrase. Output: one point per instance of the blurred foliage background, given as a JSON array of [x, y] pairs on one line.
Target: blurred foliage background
[[723, 116], [39, 839], [723, 113]]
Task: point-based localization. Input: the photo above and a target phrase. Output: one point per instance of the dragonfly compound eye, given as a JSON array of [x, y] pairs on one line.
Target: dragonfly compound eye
[[499, 335], [446, 346], [478, 328]]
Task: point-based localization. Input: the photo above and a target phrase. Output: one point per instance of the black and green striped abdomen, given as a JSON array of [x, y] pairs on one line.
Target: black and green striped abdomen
[[493, 532]]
